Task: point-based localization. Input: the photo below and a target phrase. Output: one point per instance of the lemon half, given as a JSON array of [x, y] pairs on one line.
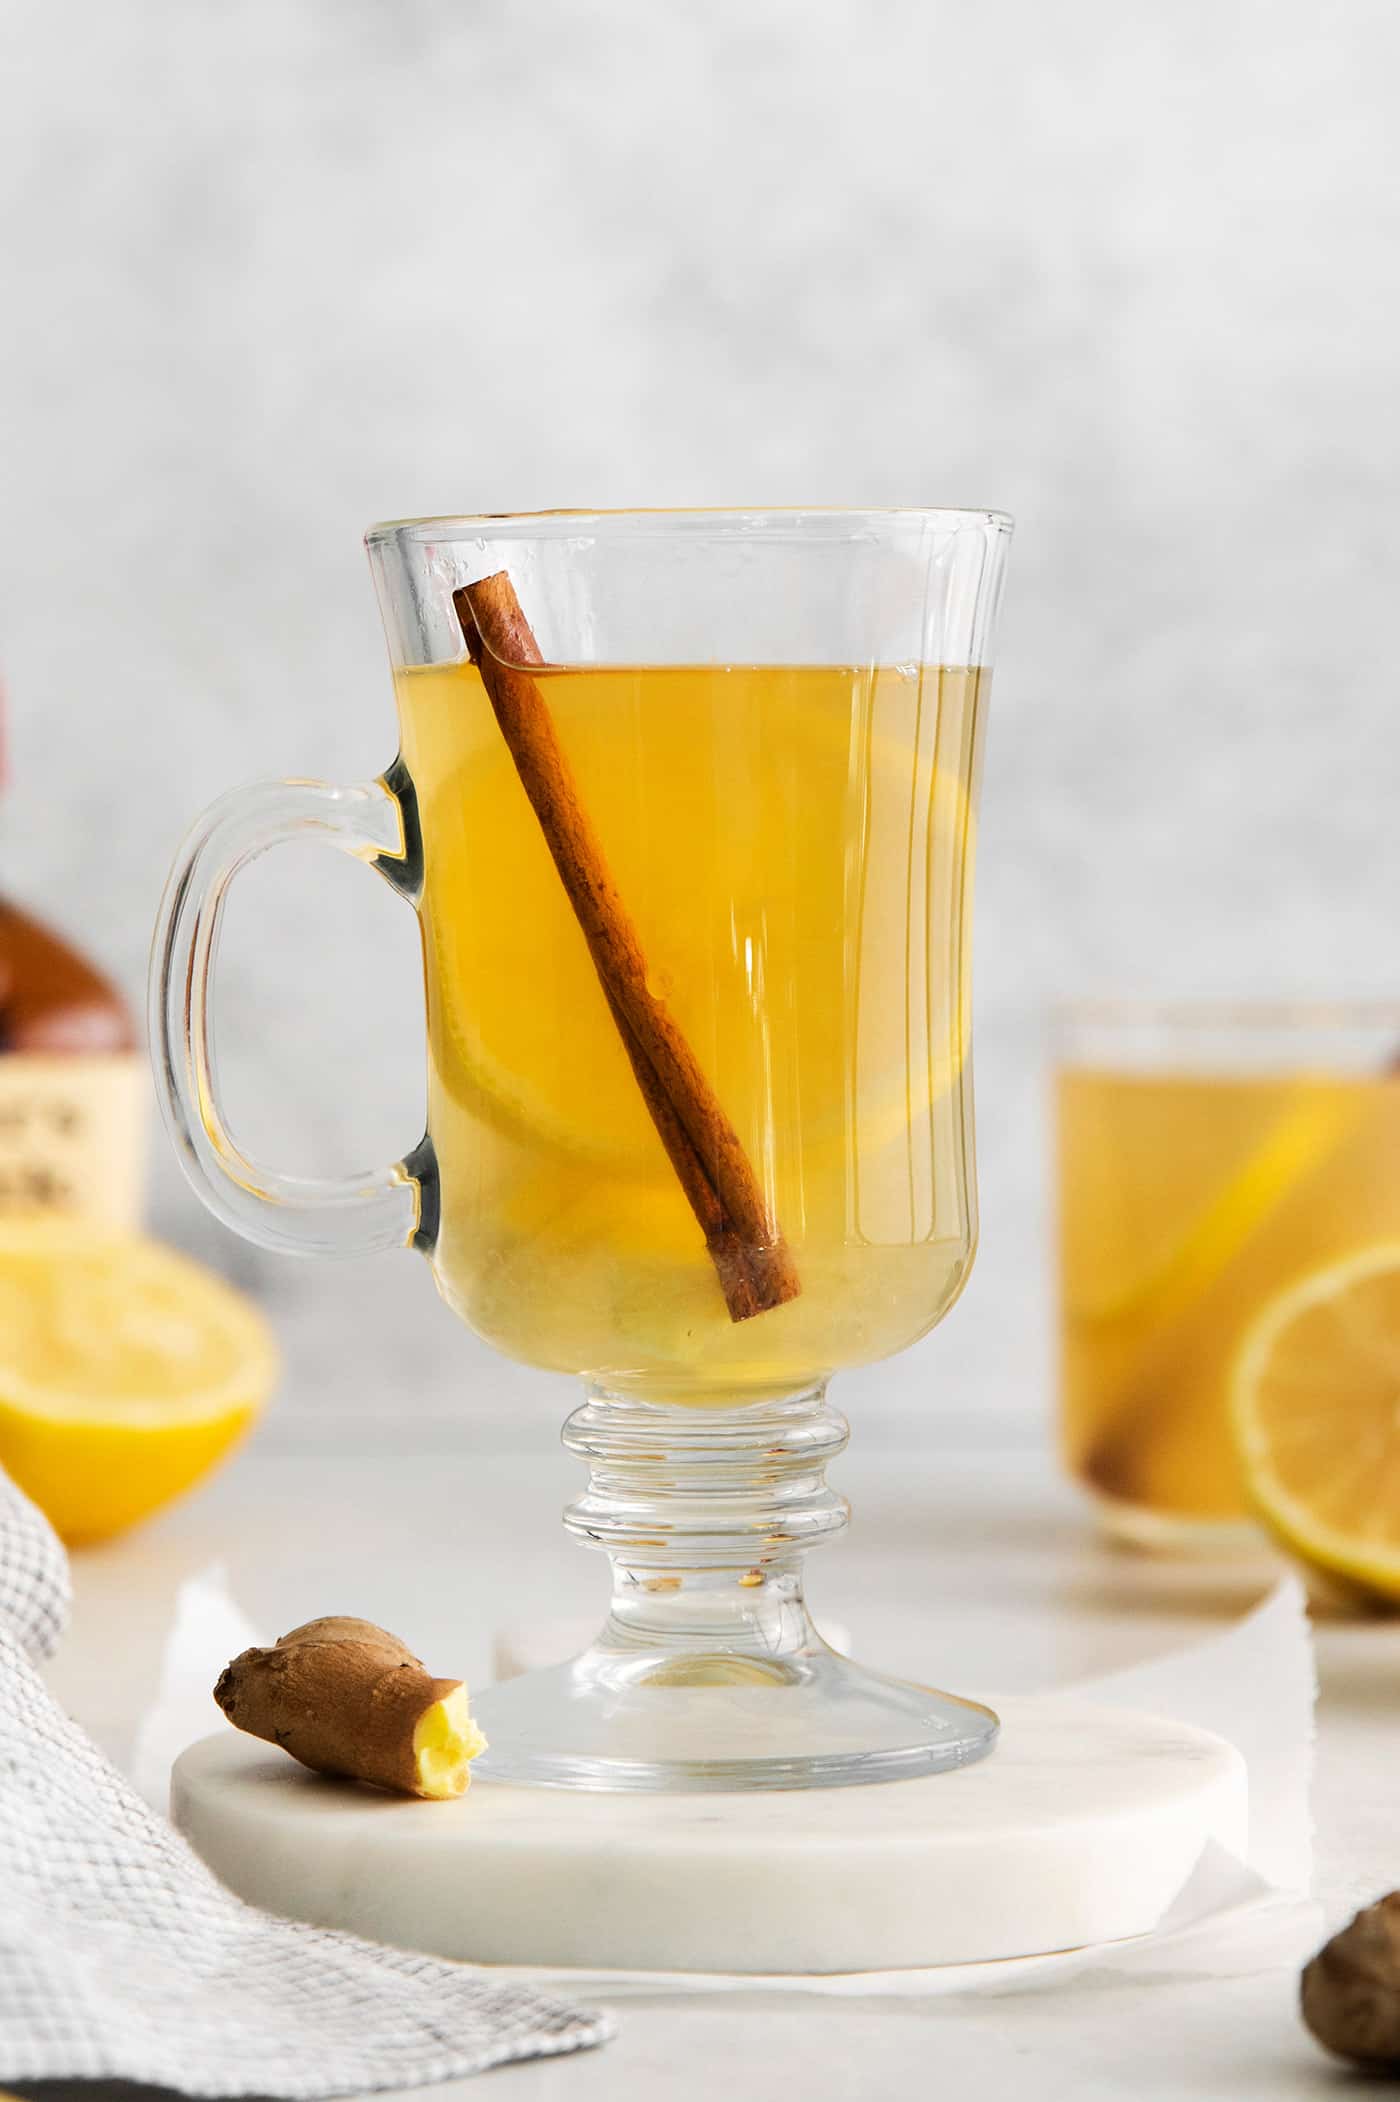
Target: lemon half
[[1316, 1404], [126, 1372]]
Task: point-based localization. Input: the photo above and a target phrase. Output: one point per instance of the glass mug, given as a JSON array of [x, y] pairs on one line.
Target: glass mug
[[685, 803]]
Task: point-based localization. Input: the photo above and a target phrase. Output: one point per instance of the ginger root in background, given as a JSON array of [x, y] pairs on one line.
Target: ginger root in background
[[1351, 1989]]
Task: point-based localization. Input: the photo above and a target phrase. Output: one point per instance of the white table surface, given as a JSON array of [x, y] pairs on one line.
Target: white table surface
[[966, 1566]]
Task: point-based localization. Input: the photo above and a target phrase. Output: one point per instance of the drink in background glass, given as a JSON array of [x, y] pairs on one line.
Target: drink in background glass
[[1208, 1158]]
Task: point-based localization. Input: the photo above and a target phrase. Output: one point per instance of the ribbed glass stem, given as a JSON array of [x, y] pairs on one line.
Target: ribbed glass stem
[[706, 1515]]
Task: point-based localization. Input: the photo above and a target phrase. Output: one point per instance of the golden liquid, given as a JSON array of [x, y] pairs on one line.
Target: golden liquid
[[1187, 1204], [795, 847]]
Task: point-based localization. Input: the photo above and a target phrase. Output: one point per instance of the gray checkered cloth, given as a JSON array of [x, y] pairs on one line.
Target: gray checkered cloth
[[122, 1958]]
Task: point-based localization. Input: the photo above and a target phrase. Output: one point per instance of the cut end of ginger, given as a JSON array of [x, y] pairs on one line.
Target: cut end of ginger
[[345, 1697], [445, 1741]]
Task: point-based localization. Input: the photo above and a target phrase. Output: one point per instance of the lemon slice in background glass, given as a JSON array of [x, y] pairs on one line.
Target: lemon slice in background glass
[[1316, 1405], [126, 1372]]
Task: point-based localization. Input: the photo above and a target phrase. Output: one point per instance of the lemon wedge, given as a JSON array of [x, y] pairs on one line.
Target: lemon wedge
[[126, 1372], [1315, 1395]]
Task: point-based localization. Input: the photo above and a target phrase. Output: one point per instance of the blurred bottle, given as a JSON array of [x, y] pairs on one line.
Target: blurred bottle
[[72, 1082]]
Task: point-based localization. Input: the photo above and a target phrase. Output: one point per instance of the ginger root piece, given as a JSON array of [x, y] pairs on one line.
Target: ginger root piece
[[1351, 1989], [344, 1697]]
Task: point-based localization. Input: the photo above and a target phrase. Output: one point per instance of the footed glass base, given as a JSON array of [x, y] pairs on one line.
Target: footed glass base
[[721, 1721], [709, 1673]]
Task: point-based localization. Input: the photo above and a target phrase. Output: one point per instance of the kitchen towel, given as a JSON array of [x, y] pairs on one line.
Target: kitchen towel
[[121, 1957]]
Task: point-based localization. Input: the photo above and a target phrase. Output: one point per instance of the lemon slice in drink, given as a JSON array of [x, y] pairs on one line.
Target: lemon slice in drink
[[1316, 1401], [775, 850], [126, 1372]]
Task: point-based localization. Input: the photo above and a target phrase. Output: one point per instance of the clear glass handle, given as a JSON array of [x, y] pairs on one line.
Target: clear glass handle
[[352, 1215]]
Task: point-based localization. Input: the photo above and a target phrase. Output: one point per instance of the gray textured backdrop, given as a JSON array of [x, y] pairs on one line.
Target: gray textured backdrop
[[276, 268]]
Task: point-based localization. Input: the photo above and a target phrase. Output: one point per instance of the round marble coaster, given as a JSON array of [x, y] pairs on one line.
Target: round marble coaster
[[1080, 1827]]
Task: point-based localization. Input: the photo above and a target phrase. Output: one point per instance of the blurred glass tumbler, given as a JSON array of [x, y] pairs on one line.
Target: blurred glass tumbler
[[685, 804], [1210, 1157]]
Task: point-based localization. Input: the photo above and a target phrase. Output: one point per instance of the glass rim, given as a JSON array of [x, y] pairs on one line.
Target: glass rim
[[1224, 1013], [467, 524]]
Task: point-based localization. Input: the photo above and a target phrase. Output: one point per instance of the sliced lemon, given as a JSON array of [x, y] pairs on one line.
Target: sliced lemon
[[1315, 1395], [126, 1372]]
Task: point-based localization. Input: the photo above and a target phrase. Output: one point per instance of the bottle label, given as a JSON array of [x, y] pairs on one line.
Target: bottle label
[[72, 1135]]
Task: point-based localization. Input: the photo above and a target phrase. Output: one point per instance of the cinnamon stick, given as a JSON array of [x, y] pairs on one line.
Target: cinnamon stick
[[753, 1263]]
